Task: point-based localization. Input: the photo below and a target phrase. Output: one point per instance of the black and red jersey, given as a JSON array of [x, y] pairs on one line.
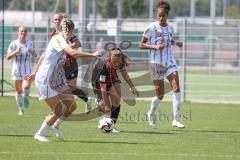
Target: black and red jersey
[[104, 74]]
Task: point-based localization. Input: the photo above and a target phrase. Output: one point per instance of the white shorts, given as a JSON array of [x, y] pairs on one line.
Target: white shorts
[[158, 72], [19, 77], [46, 91], [19, 73]]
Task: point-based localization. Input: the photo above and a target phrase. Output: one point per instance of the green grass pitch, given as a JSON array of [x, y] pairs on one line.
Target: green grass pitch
[[212, 132]]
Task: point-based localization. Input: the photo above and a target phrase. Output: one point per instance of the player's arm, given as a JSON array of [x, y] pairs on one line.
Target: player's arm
[[176, 43], [39, 63], [147, 34], [72, 52], [12, 54], [75, 42], [129, 81], [31, 77], [103, 88], [33, 52], [143, 45], [179, 44]]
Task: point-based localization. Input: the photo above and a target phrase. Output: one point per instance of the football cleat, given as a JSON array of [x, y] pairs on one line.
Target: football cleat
[[115, 130], [88, 106], [58, 133], [152, 119], [20, 112], [40, 138], [177, 124]]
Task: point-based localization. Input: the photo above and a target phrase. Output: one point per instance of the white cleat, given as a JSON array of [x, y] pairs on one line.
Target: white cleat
[[115, 130], [152, 120], [58, 133], [177, 124], [40, 138], [20, 112], [88, 106]]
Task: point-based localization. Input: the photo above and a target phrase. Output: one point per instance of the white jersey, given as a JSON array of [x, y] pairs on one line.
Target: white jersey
[[22, 64], [50, 78], [163, 59]]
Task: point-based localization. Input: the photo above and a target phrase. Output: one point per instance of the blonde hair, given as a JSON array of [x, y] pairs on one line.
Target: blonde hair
[[66, 25]]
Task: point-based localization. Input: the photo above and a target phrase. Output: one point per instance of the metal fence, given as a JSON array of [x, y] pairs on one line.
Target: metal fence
[[209, 62]]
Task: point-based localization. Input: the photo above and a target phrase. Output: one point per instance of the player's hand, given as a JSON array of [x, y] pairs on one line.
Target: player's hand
[[179, 44], [18, 50], [160, 46], [134, 91], [97, 54], [31, 77]]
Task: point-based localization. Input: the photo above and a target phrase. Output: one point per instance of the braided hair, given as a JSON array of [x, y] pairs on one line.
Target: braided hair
[[165, 6], [66, 25]]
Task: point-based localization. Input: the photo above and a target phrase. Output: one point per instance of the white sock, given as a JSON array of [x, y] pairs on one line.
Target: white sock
[[154, 104], [176, 105], [58, 122], [44, 127], [26, 92], [19, 100]]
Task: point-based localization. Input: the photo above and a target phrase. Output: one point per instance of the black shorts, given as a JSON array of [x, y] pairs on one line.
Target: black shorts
[[97, 90], [71, 68], [71, 75]]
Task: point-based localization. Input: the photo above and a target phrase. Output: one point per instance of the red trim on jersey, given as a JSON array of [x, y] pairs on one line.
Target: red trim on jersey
[[111, 76], [53, 33]]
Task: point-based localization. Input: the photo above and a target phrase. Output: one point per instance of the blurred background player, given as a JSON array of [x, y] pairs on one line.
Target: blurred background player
[[52, 83], [21, 51], [100, 44], [71, 64], [158, 38], [106, 84]]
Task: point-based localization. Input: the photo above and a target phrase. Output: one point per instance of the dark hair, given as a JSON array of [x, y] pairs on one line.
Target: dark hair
[[163, 5], [66, 25]]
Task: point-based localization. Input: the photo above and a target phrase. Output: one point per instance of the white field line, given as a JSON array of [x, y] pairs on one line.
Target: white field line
[[169, 99], [123, 154]]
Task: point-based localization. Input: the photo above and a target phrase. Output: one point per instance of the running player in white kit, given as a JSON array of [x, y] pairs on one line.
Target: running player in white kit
[[158, 37], [21, 51], [52, 83]]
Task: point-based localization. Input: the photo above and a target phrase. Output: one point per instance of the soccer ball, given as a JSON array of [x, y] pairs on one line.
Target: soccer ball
[[106, 124]]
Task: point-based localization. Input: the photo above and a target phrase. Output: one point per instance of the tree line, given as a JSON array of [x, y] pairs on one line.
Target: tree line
[[130, 8]]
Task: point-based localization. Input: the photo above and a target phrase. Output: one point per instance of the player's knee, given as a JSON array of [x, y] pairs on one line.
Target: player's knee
[[116, 102], [19, 92], [58, 114], [175, 88], [160, 96]]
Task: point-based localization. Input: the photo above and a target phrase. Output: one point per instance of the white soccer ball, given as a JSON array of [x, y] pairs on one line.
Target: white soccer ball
[[106, 124]]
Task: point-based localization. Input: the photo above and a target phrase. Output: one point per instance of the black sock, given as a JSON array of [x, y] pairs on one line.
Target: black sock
[[115, 113], [80, 94]]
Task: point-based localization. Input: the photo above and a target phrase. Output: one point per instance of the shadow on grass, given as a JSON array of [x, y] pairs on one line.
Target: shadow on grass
[[108, 142], [207, 131], [16, 135], [144, 132]]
